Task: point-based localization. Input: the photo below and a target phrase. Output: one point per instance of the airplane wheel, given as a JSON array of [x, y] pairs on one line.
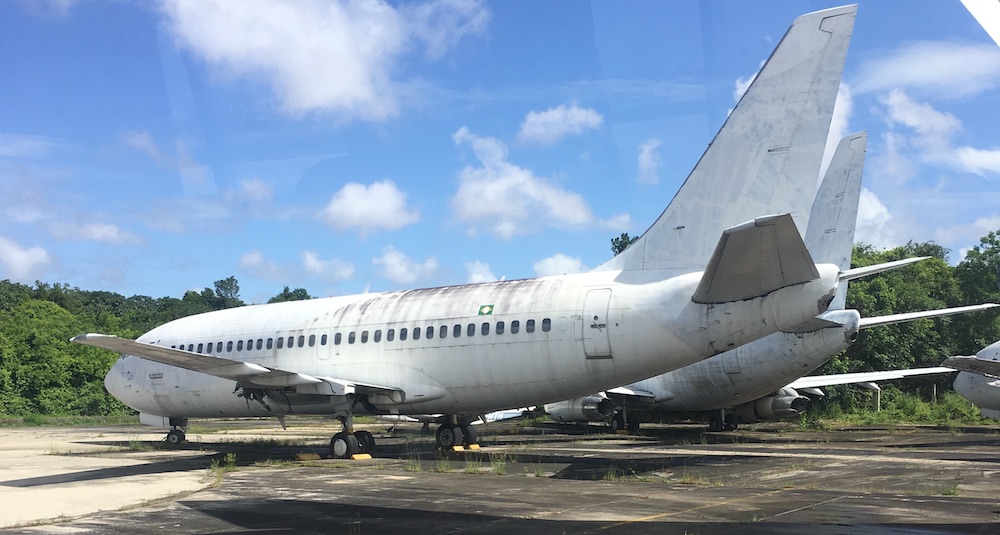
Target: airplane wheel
[[343, 445], [633, 426], [449, 435], [617, 422], [471, 437], [366, 442], [175, 437], [715, 424]]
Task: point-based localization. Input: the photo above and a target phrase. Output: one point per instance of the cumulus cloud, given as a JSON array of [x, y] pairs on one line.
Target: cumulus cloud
[[549, 126], [479, 272], [335, 57], [399, 268], [142, 141], [379, 206], [650, 161], [558, 264], [933, 67], [95, 232], [254, 263], [510, 200], [22, 264], [873, 221], [333, 269]]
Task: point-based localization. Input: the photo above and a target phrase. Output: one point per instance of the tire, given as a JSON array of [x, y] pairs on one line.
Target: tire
[[175, 437], [366, 442], [449, 436], [471, 437], [617, 422], [343, 445]]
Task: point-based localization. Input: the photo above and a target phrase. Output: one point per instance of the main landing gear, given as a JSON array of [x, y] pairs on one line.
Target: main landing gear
[[621, 422], [455, 435], [176, 434], [350, 443], [722, 422]]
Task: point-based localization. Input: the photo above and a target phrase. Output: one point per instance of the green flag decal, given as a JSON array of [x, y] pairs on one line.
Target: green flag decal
[[486, 310]]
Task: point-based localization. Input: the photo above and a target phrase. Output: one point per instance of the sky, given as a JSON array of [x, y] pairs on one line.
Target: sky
[[154, 147]]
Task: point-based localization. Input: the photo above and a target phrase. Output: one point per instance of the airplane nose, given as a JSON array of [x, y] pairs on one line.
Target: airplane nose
[[117, 379]]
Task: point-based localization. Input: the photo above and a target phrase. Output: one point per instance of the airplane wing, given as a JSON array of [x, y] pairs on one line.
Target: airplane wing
[[867, 323], [629, 391], [246, 373], [974, 365], [816, 381]]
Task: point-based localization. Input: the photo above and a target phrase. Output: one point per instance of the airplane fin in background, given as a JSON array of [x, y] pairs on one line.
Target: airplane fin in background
[[766, 157], [834, 215], [246, 373], [867, 323], [755, 259]]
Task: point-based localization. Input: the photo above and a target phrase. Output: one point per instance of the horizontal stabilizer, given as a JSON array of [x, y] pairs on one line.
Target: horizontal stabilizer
[[857, 273], [867, 323], [974, 365], [816, 381], [246, 373], [754, 259]]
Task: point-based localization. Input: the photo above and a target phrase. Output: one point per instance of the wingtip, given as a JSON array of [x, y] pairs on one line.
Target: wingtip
[[849, 9]]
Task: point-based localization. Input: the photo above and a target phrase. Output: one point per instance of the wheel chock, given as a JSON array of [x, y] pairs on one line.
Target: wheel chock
[[457, 449], [473, 446], [361, 456]]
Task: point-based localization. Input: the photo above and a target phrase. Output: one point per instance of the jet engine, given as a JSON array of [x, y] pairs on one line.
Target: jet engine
[[586, 409], [785, 403]]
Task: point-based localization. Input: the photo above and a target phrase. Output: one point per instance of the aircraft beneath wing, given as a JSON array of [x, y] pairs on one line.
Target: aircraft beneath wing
[[978, 379], [756, 381], [462, 351]]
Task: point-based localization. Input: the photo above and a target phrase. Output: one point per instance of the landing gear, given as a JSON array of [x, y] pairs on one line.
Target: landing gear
[[365, 441], [453, 434], [722, 422], [621, 422], [348, 443], [176, 434]]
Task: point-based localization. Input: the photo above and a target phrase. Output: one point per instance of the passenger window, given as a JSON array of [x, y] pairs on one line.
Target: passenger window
[[377, 336], [323, 339], [546, 325], [281, 343], [515, 326], [430, 332], [402, 334], [302, 340], [499, 327], [486, 328], [529, 326], [260, 343], [390, 335], [456, 331], [291, 342], [364, 337], [337, 339], [270, 343], [416, 333], [201, 347], [443, 332], [351, 337], [239, 345], [191, 347], [218, 347], [312, 340], [229, 346]]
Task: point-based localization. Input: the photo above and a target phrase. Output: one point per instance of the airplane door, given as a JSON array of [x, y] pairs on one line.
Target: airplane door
[[596, 343]]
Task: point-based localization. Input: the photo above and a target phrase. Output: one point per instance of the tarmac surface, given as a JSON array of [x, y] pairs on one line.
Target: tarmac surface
[[252, 476]]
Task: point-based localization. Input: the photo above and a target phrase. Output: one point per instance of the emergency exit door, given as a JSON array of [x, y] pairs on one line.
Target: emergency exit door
[[596, 342]]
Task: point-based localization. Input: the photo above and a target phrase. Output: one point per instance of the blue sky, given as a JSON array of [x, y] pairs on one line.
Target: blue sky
[[155, 147]]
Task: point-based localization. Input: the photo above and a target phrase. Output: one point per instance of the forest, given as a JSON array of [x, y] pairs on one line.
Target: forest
[[42, 373]]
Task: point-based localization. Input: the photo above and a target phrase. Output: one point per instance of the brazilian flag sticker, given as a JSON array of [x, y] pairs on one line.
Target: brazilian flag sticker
[[486, 310]]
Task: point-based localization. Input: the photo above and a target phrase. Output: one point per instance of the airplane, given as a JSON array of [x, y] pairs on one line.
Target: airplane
[[762, 380], [978, 379], [461, 351]]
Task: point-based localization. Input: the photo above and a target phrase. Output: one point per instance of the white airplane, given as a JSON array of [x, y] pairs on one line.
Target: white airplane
[[979, 379], [462, 351], [762, 380]]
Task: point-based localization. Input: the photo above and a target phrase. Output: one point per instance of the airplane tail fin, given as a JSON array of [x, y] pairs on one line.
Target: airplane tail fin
[[755, 259], [767, 155]]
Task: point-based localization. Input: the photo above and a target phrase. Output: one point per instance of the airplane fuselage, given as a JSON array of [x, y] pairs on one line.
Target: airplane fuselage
[[462, 349]]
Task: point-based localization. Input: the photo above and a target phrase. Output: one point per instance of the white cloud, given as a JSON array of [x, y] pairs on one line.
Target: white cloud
[[479, 272], [650, 162], [333, 269], [95, 232], [23, 146], [559, 264], [549, 126], [511, 200], [873, 221], [379, 206], [334, 57], [254, 263], [399, 268], [22, 264], [142, 141], [978, 161], [933, 67]]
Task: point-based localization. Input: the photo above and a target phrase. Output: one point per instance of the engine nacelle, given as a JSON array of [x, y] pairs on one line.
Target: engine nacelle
[[785, 403], [586, 409]]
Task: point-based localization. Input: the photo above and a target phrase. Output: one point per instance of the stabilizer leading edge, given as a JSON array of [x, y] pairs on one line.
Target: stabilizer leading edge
[[766, 157]]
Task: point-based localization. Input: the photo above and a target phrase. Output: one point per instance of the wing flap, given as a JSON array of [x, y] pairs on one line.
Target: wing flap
[[816, 381]]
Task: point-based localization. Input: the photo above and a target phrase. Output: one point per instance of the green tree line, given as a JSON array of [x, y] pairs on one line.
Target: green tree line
[[42, 373]]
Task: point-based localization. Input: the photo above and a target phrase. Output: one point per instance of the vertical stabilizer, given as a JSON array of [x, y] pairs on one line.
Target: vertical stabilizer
[[766, 157], [834, 215]]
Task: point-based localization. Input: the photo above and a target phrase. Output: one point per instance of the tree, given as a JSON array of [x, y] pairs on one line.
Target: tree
[[978, 276], [298, 294], [227, 291], [621, 243]]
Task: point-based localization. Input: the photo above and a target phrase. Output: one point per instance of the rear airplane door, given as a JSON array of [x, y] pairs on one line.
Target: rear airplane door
[[596, 344]]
